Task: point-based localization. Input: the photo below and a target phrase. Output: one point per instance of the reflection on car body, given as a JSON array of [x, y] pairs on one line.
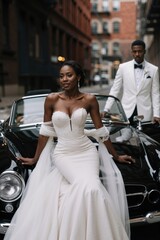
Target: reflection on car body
[[19, 134]]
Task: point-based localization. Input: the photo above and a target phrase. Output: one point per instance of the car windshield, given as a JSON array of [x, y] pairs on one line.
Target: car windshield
[[31, 110], [115, 111]]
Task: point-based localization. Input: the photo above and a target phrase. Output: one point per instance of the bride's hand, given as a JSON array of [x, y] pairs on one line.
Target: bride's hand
[[27, 161], [125, 159]]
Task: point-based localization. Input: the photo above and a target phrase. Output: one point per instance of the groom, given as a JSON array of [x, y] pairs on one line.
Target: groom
[[138, 81]]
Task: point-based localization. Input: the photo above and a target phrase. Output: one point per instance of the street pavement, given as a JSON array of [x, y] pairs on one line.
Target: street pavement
[[5, 106]]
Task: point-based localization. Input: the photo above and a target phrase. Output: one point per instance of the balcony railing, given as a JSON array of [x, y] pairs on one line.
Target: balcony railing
[[102, 12], [104, 33]]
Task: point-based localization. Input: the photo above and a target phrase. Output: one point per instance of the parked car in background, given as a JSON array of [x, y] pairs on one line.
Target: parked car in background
[[19, 134], [96, 79], [101, 78], [104, 78]]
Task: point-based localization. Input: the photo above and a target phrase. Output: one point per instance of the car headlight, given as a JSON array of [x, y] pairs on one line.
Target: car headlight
[[11, 186]]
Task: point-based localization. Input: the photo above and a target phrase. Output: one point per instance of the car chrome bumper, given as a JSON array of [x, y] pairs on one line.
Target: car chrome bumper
[[152, 217]]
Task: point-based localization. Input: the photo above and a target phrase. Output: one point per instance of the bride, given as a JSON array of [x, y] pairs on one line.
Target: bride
[[64, 198]]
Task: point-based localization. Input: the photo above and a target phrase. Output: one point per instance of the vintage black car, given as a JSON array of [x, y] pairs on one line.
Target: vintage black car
[[19, 134]]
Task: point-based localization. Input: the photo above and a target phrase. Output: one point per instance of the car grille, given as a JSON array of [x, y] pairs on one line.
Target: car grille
[[136, 195]]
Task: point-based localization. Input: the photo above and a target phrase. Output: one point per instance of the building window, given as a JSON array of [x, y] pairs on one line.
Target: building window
[[94, 27], [105, 5], [32, 38], [116, 27], [54, 41], [104, 48], [80, 17], [116, 50], [94, 6], [61, 5], [105, 27], [116, 5], [95, 48], [5, 23], [86, 52], [37, 45]]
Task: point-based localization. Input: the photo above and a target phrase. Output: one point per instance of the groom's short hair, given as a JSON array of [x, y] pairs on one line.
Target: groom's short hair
[[139, 43]]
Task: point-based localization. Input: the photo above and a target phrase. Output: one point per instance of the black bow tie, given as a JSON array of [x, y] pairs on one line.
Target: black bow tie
[[138, 66]]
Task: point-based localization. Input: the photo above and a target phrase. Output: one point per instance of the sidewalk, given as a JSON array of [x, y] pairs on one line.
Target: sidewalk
[[6, 102]]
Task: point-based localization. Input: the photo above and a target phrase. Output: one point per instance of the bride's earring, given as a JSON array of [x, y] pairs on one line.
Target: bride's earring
[[78, 84]]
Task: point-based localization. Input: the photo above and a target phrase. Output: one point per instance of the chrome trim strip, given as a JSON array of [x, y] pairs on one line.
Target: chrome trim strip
[[3, 227], [152, 217]]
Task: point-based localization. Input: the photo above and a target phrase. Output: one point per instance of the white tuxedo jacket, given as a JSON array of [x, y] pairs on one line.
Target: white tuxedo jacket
[[146, 97]]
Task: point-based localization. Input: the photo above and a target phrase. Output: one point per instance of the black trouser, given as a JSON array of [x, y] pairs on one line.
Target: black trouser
[[135, 113]]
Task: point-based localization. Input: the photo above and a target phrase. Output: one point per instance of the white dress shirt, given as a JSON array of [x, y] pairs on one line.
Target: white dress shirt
[[138, 72]]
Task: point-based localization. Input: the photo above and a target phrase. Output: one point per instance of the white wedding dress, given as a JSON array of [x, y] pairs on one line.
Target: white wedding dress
[[64, 197]]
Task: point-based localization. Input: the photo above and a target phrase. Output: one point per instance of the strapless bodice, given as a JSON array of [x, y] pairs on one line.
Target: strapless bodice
[[69, 127]]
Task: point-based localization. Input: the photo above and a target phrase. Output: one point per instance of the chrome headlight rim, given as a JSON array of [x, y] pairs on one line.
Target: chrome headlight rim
[[21, 181]]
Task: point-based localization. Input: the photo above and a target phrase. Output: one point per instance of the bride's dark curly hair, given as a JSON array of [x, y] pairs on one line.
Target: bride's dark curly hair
[[77, 68]]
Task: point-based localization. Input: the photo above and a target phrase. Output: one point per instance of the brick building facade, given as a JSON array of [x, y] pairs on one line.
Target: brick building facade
[[114, 27], [36, 37]]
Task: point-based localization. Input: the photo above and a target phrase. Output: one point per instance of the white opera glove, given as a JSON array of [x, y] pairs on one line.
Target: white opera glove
[[100, 134], [47, 129]]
